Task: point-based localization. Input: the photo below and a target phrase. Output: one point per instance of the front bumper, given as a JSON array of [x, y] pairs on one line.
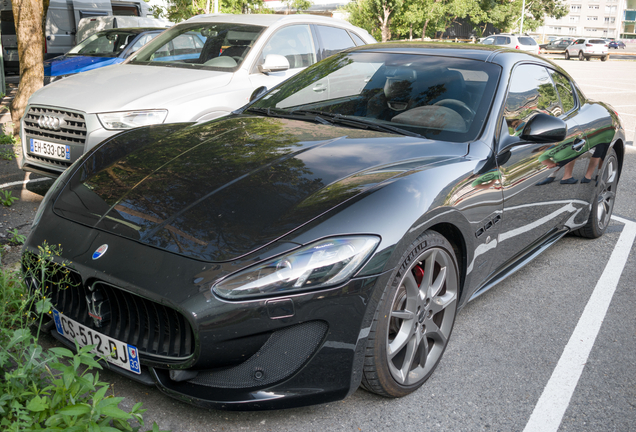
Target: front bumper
[[269, 353]]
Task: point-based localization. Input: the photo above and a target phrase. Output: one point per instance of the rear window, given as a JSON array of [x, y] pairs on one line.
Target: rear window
[[597, 41], [527, 41]]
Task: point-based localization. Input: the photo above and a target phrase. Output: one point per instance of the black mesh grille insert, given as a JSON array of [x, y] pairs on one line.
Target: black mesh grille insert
[[282, 355], [72, 127], [156, 330]]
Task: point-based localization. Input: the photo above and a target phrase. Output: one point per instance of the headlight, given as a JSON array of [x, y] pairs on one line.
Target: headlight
[[321, 264], [131, 119]]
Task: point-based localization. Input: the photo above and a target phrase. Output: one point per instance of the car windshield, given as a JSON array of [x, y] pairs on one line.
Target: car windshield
[[437, 97], [215, 46], [104, 44]]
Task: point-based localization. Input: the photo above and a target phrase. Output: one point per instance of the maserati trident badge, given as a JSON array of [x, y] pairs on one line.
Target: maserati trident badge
[[100, 251]]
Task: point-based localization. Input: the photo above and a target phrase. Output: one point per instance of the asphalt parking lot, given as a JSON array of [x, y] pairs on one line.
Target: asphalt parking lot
[[550, 348]]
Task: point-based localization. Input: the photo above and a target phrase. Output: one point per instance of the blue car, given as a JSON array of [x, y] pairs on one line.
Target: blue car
[[101, 49]]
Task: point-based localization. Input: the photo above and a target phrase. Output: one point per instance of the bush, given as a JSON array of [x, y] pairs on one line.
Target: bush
[[56, 390]]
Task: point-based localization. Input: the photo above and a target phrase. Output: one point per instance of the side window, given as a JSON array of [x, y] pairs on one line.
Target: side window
[[357, 39], [142, 41], [531, 91], [564, 88], [488, 41], [333, 40], [295, 43]]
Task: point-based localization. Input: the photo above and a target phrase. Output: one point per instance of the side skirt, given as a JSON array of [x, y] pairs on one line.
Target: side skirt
[[520, 261]]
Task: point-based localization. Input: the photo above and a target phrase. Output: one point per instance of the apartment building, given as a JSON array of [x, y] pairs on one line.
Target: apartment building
[[587, 18]]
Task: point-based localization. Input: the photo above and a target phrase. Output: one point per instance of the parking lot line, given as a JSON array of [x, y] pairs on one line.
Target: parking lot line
[[22, 182], [554, 401]]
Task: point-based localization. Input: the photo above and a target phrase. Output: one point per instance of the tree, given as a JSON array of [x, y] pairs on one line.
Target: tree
[[180, 10], [28, 17], [297, 5]]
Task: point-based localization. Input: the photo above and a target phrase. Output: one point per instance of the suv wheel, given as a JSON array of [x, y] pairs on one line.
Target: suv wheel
[[567, 55], [581, 56], [605, 57]]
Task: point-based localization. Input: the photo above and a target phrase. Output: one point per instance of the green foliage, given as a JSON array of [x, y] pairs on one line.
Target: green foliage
[[7, 199], [7, 154], [386, 19], [16, 237], [298, 5], [56, 390], [7, 139], [180, 10]]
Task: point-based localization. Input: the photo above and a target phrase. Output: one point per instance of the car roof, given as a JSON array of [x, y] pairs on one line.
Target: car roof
[[132, 29], [268, 19]]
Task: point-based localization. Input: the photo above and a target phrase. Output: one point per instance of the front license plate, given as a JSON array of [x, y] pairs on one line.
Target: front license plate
[[51, 150], [123, 355]]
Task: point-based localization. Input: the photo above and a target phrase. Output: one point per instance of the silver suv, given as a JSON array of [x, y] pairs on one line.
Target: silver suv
[[586, 48], [513, 40], [199, 70]]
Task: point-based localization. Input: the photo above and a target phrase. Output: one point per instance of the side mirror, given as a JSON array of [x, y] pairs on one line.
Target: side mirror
[[274, 63], [544, 128], [260, 91]]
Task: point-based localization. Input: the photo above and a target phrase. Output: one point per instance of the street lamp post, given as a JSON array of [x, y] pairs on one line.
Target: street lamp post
[[523, 12]]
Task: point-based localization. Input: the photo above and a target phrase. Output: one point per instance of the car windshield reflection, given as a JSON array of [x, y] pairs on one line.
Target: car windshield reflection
[[431, 96]]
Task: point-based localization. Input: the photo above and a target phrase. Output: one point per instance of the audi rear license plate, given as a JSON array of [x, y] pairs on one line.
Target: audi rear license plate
[[116, 352], [51, 150]]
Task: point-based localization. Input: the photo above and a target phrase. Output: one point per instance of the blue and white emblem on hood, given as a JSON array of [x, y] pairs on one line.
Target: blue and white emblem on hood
[[100, 251]]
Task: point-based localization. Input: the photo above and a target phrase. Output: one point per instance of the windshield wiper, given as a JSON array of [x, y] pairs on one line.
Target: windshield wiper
[[358, 122], [295, 115]]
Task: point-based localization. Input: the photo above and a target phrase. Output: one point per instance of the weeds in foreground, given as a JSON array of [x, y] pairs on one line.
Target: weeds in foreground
[[7, 199], [56, 390], [15, 237]]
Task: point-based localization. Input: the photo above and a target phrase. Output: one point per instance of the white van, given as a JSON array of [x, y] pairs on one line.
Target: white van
[[89, 26], [62, 20]]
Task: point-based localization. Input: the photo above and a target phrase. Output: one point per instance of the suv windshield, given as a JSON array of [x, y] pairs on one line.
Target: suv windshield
[[216, 46], [436, 97], [104, 44]]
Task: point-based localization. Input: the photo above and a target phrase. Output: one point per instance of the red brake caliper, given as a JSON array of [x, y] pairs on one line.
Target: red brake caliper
[[418, 272]]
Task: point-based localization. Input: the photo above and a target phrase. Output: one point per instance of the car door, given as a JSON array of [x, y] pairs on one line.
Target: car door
[[294, 42], [540, 181]]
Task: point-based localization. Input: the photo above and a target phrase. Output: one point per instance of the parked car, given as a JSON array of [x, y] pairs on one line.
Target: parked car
[[557, 45], [104, 48], [201, 69], [587, 48], [327, 234], [616, 44], [512, 40]]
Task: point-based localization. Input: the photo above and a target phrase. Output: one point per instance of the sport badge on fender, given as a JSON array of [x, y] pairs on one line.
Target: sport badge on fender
[[100, 251]]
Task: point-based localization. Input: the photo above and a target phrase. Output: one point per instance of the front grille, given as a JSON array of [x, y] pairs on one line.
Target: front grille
[[72, 129], [156, 330], [59, 163]]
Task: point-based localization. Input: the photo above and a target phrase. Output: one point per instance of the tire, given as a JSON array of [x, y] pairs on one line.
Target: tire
[[604, 58], [414, 320], [604, 197], [567, 55], [581, 56], [588, 58]]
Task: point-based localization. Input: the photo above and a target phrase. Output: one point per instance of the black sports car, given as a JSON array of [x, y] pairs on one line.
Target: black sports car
[[324, 236]]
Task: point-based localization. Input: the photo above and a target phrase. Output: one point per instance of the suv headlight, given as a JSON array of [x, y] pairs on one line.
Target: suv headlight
[[321, 264], [131, 119]]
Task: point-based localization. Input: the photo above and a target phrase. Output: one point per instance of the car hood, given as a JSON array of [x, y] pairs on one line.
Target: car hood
[[124, 87], [223, 189], [64, 65]]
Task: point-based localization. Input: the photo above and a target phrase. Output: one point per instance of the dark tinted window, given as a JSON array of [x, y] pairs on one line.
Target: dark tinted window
[[440, 98], [564, 88], [333, 40], [502, 40], [531, 91], [597, 41], [527, 41]]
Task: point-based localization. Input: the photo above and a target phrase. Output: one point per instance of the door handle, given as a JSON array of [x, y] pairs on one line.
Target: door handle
[[319, 88], [578, 144]]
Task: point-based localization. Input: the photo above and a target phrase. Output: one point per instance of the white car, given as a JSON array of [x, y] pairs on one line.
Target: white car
[[201, 69], [512, 40], [586, 48]]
